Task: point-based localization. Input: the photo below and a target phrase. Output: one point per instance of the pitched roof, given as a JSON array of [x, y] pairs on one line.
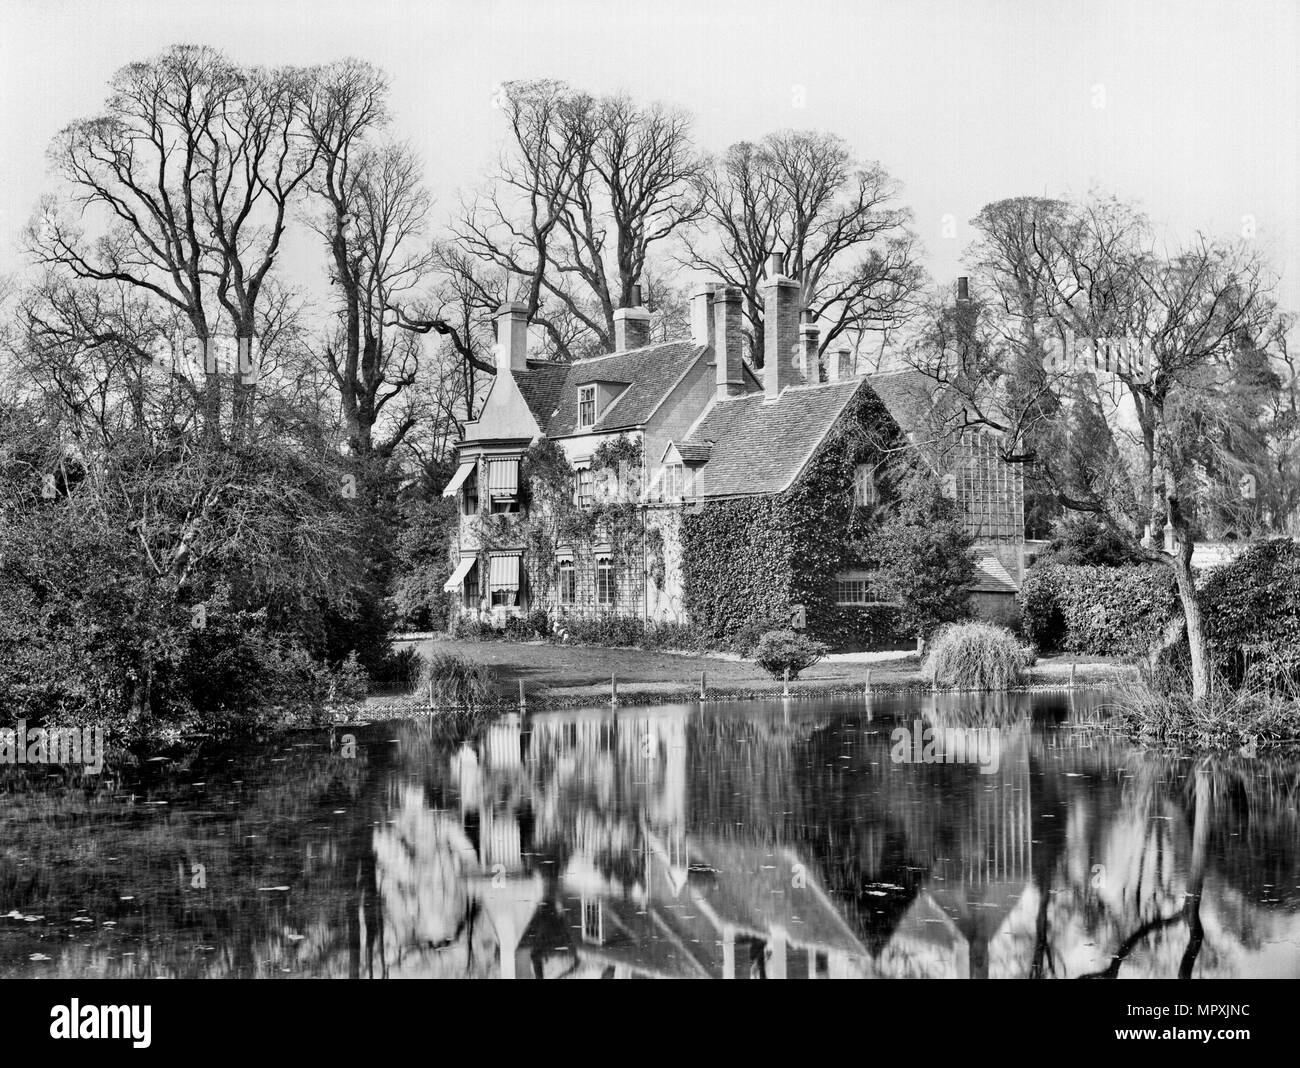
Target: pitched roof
[[647, 376], [993, 577], [540, 386], [761, 446]]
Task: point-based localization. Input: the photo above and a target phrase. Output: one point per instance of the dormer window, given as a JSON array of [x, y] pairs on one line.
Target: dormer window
[[586, 407]]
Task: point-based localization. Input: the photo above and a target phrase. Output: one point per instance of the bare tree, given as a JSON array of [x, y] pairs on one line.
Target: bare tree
[[1167, 331], [185, 181], [837, 222], [586, 189]]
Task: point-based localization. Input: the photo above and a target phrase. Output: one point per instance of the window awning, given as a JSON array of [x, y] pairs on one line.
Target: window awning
[[503, 478], [503, 573], [462, 569], [458, 479]]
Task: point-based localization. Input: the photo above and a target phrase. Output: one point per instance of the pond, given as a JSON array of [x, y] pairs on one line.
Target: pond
[[903, 836]]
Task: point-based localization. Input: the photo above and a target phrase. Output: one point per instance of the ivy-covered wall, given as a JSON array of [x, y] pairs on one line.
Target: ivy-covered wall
[[746, 562]]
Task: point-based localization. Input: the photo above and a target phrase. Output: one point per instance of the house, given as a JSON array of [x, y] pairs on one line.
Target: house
[[675, 481]]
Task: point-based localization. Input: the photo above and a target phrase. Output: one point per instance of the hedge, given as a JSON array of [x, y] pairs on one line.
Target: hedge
[[1100, 611], [1252, 614], [1251, 610]]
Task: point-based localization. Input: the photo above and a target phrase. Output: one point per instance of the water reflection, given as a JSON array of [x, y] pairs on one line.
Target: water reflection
[[793, 840]]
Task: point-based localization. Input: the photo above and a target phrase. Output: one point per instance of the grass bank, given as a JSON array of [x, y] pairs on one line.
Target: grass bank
[[564, 676]]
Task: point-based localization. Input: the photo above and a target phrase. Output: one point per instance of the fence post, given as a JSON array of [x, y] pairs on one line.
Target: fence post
[[785, 691], [523, 704], [1072, 666], [702, 688], [613, 690], [867, 685], [431, 695]]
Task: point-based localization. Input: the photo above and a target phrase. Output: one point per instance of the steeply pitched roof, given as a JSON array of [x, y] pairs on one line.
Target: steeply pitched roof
[[650, 373], [540, 386], [761, 446]]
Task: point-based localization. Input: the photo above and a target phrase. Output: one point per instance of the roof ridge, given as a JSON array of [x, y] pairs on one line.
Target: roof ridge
[[628, 352]]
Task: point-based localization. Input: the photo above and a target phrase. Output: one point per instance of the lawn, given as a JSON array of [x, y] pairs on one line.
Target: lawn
[[569, 670]]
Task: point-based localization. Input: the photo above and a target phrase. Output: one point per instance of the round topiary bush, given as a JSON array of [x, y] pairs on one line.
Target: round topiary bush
[[778, 650], [976, 656]]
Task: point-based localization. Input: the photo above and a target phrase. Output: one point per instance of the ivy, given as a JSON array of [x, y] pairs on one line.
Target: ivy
[[746, 562]]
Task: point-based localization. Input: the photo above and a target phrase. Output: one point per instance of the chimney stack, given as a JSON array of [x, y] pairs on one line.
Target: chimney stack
[[780, 328], [512, 337], [632, 325], [728, 342], [702, 314], [809, 344], [840, 364]]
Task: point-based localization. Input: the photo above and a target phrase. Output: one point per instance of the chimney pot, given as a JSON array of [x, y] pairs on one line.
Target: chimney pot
[[636, 294], [963, 288], [775, 265], [702, 331], [809, 346]]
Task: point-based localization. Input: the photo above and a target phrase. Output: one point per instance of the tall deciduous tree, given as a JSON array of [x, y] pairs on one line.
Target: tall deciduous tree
[[837, 221]]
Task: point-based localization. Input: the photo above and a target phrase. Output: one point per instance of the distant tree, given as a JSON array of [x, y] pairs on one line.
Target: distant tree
[[837, 221], [585, 190]]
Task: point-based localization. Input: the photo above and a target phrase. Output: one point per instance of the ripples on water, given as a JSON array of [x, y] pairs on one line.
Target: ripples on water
[[722, 840]]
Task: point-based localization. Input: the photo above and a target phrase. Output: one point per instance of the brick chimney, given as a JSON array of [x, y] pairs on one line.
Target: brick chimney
[[728, 342], [809, 343], [632, 325], [512, 337], [780, 328], [702, 314]]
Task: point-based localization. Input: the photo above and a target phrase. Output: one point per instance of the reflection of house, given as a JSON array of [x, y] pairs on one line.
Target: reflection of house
[[698, 428]]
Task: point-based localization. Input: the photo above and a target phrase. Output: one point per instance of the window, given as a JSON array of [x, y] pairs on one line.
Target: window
[[470, 591], [858, 588], [471, 493], [568, 582], [586, 486], [586, 406], [864, 486], [504, 579], [606, 586], [674, 482], [503, 484]]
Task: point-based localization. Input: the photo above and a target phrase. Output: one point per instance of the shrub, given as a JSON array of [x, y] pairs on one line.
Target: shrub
[[1252, 616], [976, 656], [467, 628], [457, 681], [778, 650], [612, 630], [536, 624], [1103, 611], [1227, 719], [400, 670]]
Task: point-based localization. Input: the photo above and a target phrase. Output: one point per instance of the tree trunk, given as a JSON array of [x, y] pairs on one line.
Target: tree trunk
[[1196, 640]]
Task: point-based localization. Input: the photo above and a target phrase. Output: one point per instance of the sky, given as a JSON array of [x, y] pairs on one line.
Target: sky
[[1191, 108]]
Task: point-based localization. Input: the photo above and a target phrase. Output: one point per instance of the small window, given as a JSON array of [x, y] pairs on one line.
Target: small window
[[606, 585], [470, 493], [858, 590], [586, 486], [864, 486], [568, 582], [586, 406]]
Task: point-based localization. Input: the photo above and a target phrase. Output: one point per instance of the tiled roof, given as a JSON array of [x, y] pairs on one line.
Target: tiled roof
[[993, 577], [540, 386], [694, 452], [650, 374], [761, 447]]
